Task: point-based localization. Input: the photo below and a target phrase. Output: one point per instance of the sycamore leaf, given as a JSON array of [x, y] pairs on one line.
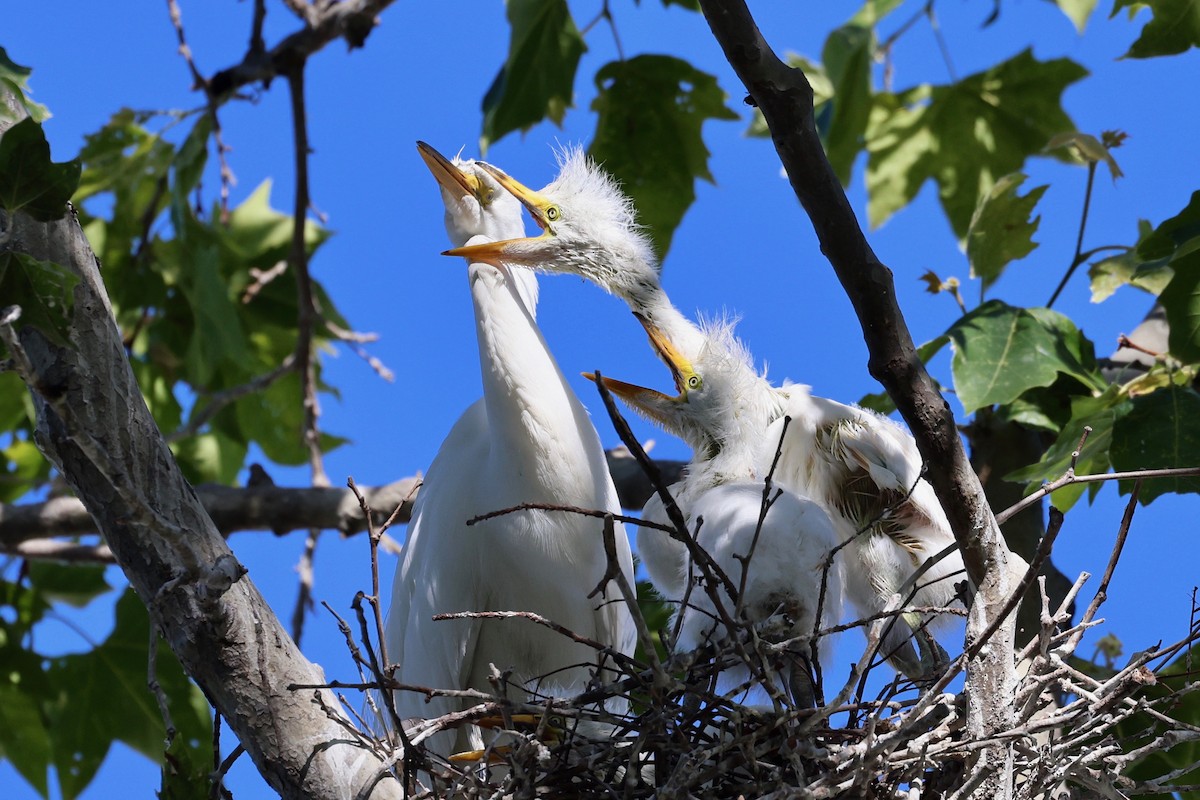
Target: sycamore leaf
[[104, 698], [1175, 245], [848, 56], [73, 584], [1150, 265], [44, 291], [538, 79], [29, 180], [964, 135], [648, 135], [1100, 414], [1173, 27], [1077, 11], [1126, 269], [15, 78], [1161, 430], [1088, 148], [1001, 228], [24, 741], [1181, 300], [1001, 351]]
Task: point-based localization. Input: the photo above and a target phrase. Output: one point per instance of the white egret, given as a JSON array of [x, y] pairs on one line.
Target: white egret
[[849, 460], [528, 440]]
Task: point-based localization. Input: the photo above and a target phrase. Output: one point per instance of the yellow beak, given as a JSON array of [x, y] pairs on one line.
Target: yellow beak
[[448, 176], [494, 252]]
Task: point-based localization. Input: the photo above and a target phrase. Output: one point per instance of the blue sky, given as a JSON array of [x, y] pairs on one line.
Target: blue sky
[[744, 248]]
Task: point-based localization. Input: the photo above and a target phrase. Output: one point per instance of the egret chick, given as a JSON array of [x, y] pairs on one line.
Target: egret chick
[[837, 453], [527, 440]]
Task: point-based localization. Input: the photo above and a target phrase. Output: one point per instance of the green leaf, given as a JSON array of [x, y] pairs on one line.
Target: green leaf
[[104, 698], [210, 457], [1088, 148], [1173, 27], [1100, 414], [537, 80], [73, 584], [29, 180], [1001, 351], [848, 56], [23, 737], [1151, 264], [15, 78], [648, 135], [1127, 269], [1162, 430], [217, 335], [964, 134], [260, 236], [192, 156], [1001, 230], [24, 468], [43, 290], [1077, 11], [1181, 300]]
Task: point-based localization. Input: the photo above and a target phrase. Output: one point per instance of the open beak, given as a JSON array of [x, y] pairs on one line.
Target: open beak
[[448, 176], [494, 253], [652, 402]]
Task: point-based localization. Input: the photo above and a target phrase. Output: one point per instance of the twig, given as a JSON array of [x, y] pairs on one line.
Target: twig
[[1078, 258], [1066, 480], [219, 400]]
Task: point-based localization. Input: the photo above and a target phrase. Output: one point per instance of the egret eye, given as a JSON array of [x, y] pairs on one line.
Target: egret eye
[[553, 213], [695, 382], [489, 196]]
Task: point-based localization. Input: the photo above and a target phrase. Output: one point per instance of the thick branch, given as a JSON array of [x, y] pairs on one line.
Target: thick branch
[[93, 424], [282, 509], [785, 98]]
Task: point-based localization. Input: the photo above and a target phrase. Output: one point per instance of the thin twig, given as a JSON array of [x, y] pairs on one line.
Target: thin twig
[[1079, 257]]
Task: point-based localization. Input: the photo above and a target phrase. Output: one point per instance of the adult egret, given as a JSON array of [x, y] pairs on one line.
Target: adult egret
[[849, 460], [528, 440]]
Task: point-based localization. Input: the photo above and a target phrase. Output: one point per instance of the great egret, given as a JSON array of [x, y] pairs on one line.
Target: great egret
[[528, 440], [862, 468]]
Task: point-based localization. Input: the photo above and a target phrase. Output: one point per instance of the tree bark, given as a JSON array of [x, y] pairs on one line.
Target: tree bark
[[94, 426], [785, 98]]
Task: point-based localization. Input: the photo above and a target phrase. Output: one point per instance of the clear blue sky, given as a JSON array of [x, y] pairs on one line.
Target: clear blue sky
[[745, 247]]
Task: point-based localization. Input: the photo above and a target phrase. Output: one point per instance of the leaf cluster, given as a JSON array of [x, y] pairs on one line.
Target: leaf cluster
[[65, 711]]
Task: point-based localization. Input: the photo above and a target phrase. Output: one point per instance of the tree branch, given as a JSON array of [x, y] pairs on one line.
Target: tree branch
[[283, 509], [352, 20], [785, 98], [94, 426]]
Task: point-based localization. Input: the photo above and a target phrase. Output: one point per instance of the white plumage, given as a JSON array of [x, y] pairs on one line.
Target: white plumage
[[528, 440], [862, 468], [774, 549]]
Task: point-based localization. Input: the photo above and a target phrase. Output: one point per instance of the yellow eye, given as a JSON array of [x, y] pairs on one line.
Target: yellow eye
[[695, 382], [553, 213]]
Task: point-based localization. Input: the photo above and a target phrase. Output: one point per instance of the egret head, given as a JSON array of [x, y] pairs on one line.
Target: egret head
[[476, 204], [588, 229], [719, 398]]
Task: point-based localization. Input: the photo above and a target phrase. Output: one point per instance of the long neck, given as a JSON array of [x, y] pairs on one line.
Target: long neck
[[650, 300], [533, 416]]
